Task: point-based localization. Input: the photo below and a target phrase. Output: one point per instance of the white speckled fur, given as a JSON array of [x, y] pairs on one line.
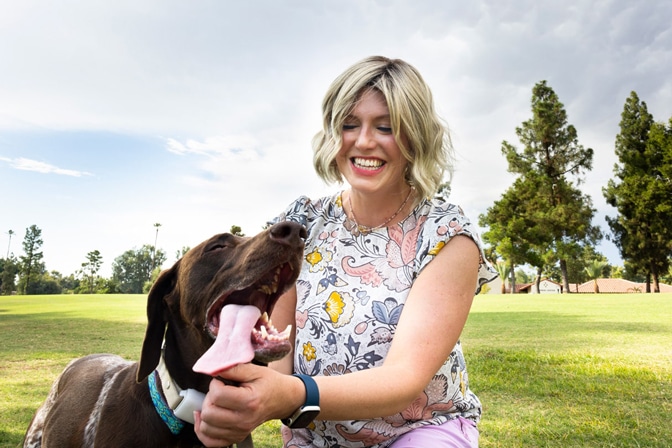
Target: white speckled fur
[[34, 434], [114, 366]]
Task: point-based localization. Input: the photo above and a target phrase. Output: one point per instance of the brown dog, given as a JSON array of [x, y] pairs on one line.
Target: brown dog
[[105, 401]]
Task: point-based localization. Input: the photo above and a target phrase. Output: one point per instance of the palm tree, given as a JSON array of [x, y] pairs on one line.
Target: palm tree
[[503, 269], [156, 237], [594, 270], [10, 233]]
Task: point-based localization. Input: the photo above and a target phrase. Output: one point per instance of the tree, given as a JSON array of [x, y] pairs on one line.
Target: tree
[[156, 237], [524, 277], [503, 270], [9, 267], [47, 283], [236, 230], [149, 283], [516, 231], [595, 269], [31, 266], [133, 268], [667, 278], [9, 244], [70, 284], [616, 271], [577, 266], [90, 270], [180, 252], [642, 192], [544, 218], [659, 199]]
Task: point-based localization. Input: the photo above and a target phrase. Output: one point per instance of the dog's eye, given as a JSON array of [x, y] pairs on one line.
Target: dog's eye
[[216, 246], [222, 241]]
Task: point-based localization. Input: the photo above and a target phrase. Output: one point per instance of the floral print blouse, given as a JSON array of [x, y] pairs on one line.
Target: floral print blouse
[[350, 294]]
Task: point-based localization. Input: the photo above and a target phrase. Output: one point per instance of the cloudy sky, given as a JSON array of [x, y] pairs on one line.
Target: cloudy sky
[[198, 115]]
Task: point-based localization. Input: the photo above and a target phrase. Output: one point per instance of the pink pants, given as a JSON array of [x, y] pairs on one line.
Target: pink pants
[[457, 433]]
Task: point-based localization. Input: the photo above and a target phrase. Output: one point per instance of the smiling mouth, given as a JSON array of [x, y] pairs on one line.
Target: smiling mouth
[[367, 164]]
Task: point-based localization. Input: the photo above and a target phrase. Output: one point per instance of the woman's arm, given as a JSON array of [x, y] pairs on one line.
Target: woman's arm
[[284, 314], [430, 325]]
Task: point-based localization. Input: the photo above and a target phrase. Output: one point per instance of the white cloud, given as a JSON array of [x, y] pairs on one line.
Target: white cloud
[[231, 149], [234, 89], [24, 164]]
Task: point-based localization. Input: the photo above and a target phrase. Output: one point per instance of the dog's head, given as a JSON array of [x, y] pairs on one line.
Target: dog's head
[[185, 302]]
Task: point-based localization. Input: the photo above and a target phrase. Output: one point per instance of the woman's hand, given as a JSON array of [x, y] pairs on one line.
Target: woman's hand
[[231, 413]]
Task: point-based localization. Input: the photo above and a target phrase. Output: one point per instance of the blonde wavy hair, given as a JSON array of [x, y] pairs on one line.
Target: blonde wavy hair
[[411, 105]]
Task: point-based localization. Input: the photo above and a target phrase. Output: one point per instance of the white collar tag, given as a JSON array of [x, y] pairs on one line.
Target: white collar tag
[[182, 402]]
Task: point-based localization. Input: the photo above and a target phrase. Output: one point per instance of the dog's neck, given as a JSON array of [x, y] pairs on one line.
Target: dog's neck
[[182, 402], [180, 352], [171, 390]]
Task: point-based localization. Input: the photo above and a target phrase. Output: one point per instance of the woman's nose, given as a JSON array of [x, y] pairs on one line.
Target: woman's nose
[[365, 138]]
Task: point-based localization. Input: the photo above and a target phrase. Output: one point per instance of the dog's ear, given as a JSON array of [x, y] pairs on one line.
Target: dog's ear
[[156, 321]]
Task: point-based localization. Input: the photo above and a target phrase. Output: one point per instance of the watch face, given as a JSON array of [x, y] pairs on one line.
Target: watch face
[[305, 416]]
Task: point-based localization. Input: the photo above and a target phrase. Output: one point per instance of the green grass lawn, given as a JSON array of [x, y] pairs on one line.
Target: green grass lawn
[[551, 371]]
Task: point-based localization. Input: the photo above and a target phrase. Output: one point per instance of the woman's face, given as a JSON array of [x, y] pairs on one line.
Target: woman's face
[[370, 159]]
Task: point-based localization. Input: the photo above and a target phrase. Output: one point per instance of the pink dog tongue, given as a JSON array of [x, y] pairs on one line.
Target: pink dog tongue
[[233, 344]]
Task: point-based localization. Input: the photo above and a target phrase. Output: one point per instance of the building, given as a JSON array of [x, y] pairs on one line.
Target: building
[[617, 285], [546, 286], [605, 285]]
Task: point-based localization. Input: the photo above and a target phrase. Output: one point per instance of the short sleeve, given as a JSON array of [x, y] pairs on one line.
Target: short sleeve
[[295, 212], [445, 220]]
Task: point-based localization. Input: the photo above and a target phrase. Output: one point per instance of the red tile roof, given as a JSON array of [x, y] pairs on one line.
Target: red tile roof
[[616, 285]]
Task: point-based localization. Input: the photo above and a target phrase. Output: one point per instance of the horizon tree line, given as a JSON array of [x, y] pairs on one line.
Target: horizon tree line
[[543, 220], [133, 272]]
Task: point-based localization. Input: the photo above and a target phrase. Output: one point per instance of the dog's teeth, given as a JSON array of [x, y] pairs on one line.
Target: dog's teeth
[[264, 333], [286, 332]]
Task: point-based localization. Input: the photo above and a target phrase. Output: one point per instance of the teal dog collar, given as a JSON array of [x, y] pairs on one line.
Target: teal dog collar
[[174, 424]]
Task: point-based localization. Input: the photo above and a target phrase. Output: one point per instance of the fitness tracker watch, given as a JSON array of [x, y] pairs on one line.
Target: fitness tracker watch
[[304, 416]]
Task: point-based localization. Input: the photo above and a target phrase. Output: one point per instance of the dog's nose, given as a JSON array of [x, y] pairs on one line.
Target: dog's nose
[[289, 233]]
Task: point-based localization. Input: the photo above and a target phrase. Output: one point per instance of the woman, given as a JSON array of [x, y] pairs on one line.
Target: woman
[[385, 290]]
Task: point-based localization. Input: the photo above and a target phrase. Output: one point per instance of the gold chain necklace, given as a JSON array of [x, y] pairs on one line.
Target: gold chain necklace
[[364, 230]]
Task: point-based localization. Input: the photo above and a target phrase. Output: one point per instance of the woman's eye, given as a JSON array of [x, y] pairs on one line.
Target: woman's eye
[[349, 127], [385, 129]]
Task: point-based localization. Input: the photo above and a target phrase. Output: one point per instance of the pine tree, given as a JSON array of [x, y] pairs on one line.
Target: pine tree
[[31, 265], [642, 192], [543, 213]]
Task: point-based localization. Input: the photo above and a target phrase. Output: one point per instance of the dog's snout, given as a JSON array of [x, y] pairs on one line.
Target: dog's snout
[[289, 233]]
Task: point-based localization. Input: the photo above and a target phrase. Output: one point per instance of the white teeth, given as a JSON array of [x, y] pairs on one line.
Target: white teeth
[[368, 163], [270, 333]]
